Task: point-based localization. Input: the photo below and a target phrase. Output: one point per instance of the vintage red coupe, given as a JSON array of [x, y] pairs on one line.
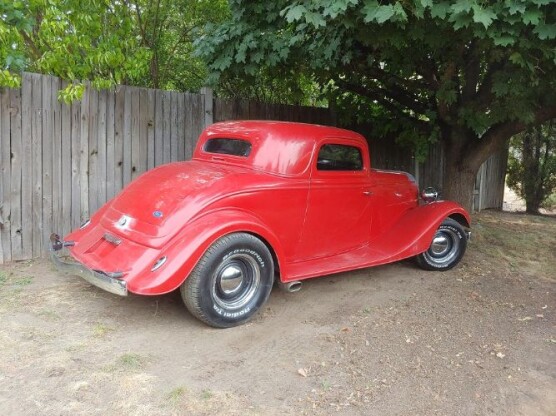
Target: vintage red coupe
[[260, 202]]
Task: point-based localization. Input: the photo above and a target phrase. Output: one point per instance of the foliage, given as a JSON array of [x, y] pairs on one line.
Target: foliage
[[145, 43], [137, 42], [532, 166], [467, 72], [73, 39], [167, 28], [271, 85]]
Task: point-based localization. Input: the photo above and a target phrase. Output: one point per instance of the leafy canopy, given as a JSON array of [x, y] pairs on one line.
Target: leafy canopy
[[137, 42], [73, 39], [433, 66]]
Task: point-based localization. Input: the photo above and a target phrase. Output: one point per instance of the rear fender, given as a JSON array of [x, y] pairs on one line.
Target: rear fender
[[188, 246], [413, 233]]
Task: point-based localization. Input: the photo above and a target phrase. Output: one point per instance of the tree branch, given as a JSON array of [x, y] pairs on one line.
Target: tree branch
[[472, 73], [381, 97], [498, 134]]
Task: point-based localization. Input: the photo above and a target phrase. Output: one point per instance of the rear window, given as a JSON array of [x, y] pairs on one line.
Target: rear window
[[234, 147], [339, 157]]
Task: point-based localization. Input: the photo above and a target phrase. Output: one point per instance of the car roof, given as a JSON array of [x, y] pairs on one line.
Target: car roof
[[279, 147], [281, 129]]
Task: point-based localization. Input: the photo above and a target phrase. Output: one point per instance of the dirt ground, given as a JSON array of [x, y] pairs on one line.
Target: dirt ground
[[392, 340]]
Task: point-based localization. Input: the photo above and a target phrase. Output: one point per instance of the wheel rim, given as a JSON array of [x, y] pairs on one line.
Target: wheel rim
[[236, 281], [444, 248]]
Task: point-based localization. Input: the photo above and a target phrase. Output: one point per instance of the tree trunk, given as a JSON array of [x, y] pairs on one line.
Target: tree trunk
[[532, 182], [458, 184], [463, 161], [464, 154]]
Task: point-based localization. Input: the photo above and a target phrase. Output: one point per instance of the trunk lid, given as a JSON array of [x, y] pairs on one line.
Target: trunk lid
[[158, 203]]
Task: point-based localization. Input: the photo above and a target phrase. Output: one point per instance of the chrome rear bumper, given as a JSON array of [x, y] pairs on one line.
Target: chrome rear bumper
[[111, 282]]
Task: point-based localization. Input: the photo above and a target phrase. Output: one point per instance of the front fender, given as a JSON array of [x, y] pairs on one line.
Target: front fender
[[413, 233], [188, 246]]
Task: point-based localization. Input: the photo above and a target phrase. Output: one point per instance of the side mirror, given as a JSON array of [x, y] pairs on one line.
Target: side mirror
[[429, 194]]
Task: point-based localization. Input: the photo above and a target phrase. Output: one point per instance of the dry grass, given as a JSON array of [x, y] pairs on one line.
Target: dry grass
[[523, 242]]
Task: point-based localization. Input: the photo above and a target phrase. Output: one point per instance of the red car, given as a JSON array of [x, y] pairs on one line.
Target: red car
[[261, 201]]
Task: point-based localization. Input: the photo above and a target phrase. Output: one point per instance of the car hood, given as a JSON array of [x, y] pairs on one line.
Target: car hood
[[159, 203]]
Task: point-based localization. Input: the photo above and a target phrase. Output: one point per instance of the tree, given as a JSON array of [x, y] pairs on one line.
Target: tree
[[74, 39], [167, 28], [137, 42], [532, 165], [147, 43], [469, 73]]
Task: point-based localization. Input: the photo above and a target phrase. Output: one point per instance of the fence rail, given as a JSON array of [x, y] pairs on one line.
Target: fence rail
[[59, 163]]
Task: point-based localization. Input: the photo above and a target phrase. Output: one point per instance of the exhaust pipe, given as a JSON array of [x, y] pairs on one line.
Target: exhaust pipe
[[290, 287]]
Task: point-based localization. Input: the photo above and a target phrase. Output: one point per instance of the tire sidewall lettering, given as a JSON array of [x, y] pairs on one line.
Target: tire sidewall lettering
[[247, 251], [237, 314], [454, 229]]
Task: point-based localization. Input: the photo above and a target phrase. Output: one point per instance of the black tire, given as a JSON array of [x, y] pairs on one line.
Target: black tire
[[447, 247], [231, 282]]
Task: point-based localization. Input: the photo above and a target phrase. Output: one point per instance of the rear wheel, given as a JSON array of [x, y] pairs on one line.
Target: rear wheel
[[231, 282], [447, 247]]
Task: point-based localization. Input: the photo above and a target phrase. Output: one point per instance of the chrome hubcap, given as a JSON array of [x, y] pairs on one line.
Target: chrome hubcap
[[231, 279], [439, 245], [444, 247], [236, 281]]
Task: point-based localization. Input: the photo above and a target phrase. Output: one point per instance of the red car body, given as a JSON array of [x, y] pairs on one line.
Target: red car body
[[314, 220]]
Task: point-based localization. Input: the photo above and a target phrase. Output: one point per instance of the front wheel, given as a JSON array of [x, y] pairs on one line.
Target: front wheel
[[447, 247], [231, 282]]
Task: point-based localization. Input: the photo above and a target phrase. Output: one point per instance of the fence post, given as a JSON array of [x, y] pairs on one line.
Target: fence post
[[209, 114]]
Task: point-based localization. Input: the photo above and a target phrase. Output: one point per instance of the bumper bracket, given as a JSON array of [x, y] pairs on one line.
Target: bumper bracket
[[109, 281]]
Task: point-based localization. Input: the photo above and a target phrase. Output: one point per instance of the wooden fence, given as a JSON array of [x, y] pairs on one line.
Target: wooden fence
[[252, 110], [59, 163]]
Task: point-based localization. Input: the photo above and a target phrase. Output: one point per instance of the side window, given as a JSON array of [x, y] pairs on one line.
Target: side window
[[339, 157]]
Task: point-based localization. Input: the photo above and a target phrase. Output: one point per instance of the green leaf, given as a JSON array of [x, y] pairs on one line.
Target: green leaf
[[504, 40], [462, 6], [440, 10], [532, 17], [369, 10], [315, 19], [384, 13], [515, 7], [545, 31], [517, 59], [399, 12], [483, 16], [295, 13]]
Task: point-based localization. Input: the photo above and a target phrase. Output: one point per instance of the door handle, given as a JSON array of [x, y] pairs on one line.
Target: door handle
[[367, 193]]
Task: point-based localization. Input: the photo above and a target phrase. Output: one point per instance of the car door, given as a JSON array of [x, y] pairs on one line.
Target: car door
[[338, 210]]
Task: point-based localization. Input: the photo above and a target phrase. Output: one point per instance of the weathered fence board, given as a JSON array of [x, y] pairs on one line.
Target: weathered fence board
[[15, 195], [59, 163], [5, 179], [46, 150], [150, 110], [66, 172], [84, 157], [75, 163], [110, 144], [36, 164]]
